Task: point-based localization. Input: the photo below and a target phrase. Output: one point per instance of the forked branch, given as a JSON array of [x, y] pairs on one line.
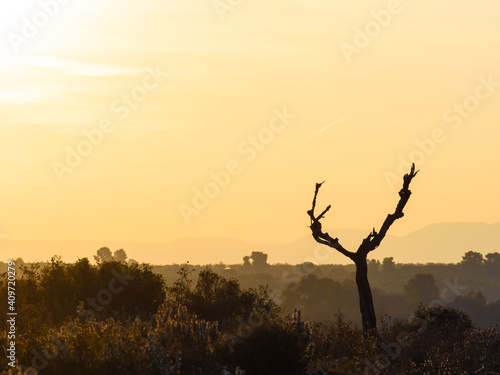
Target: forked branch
[[373, 240], [317, 232]]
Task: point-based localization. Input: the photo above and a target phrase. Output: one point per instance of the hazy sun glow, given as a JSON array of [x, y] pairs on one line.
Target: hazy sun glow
[[183, 90]]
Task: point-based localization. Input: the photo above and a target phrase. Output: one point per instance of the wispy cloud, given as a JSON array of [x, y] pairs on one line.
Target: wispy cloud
[[78, 67], [324, 129], [72, 67]]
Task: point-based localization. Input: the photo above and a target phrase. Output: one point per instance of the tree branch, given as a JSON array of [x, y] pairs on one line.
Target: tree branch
[[317, 232], [373, 240]]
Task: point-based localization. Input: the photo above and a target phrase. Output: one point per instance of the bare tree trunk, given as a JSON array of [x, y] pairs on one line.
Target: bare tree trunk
[[370, 243], [366, 307]]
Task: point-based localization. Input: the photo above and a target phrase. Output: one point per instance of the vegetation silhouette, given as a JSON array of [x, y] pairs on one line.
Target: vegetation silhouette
[[216, 298], [201, 322]]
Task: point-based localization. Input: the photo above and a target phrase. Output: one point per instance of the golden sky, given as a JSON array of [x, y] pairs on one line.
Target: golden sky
[[279, 94]]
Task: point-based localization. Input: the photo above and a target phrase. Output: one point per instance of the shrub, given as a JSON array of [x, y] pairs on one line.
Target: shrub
[[216, 298]]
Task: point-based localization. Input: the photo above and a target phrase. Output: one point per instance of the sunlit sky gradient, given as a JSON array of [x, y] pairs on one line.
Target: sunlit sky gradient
[[225, 79]]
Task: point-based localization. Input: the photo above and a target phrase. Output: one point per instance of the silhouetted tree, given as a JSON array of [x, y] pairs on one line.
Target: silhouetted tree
[[246, 261], [50, 294], [217, 298], [493, 258], [318, 297], [492, 264], [474, 304], [120, 255], [472, 259], [259, 259], [373, 265], [371, 242], [421, 288], [388, 264], [103, 255]]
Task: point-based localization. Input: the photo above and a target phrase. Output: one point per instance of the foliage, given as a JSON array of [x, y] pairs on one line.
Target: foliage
[[216, 298], [438, 340], [339, 347], [212, 323], [388, 264], [472, 259], [120, 255], [259, 259], [103, 255], [421, 288], [172, 343], [441, 340], [275, 347], [49, 296]]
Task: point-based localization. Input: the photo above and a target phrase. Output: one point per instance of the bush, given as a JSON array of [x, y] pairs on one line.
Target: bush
[[173, 343], [275, 347], [49, 296], [216, 298], [136, 334], [440, 340]]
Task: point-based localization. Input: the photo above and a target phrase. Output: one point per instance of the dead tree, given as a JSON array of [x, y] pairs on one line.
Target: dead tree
[[371, 242]]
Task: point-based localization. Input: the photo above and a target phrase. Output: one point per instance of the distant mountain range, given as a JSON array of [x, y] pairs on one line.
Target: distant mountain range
[[436, 243]]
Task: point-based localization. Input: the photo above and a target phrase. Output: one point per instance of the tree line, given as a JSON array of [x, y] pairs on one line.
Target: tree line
[[116, 317]]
